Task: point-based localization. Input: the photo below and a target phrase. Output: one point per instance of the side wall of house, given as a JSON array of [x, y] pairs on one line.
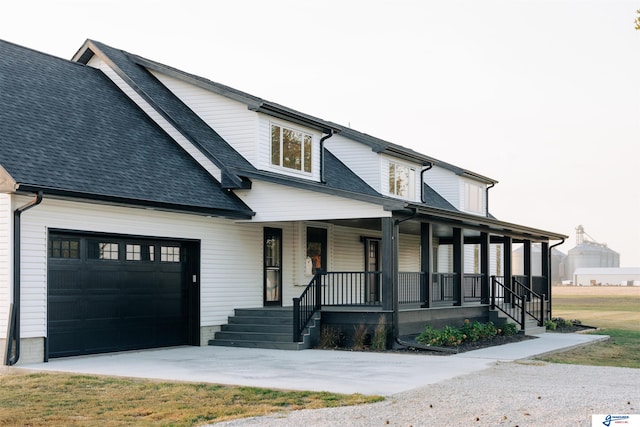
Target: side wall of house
[[232, 120], [273, 202], [6, 266], [230, 264]]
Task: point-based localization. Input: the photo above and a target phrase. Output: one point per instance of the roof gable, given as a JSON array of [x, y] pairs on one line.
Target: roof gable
[[65, 128], [175, 111]]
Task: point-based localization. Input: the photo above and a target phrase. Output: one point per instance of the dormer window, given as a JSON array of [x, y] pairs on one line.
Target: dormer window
[[291, 148], [401, 180], [473, 197]]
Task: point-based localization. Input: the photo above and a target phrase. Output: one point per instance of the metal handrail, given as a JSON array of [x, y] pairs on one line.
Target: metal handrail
[[533, 303], [306, 305]]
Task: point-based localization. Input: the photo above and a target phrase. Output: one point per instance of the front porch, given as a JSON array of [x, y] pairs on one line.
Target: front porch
[[415, 271]]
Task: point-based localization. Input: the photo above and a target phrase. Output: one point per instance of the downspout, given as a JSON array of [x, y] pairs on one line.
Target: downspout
[[13, 334], [493, 184], [550, 270], [396, 306], [428, 165], [322, 140]]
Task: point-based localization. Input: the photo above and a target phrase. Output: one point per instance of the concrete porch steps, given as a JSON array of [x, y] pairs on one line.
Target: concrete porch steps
[[267, 327], [530, 325]]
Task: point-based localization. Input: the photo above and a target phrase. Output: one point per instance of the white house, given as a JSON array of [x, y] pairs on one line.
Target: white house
[[142, 206]]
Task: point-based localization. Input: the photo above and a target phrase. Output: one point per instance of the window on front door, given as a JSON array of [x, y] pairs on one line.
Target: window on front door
[[272, 266], [291, 148], [316, 249]]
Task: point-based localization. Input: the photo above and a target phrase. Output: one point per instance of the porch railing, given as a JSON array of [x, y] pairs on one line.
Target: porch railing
[[507, 301], [351, 288], [306, 305], [533, 302], [517, 300], [442, 287], [472, 290], [411, 287]]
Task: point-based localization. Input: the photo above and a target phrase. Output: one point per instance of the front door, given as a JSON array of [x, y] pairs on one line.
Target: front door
[[272, 266], [372, 264]]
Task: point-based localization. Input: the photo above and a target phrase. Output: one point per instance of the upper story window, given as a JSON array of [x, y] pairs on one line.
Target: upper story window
[[291, 148], [401, 180], [473, 197]]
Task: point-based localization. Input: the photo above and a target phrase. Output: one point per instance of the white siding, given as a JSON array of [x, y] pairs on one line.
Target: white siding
[[348, 250], [409, 253], [358, 157], [155, 116], [445, 183], [273, 202], [232, 120], [231, 254], [6, 266]]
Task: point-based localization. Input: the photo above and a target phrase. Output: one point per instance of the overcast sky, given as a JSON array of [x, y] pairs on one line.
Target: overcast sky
[[543, 96]]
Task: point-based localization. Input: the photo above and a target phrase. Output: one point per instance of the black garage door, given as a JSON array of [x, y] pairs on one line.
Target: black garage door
[[112, 293]]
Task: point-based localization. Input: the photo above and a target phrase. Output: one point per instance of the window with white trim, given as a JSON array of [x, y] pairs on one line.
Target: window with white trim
[[473, 197], [401, 180], [291, 148]]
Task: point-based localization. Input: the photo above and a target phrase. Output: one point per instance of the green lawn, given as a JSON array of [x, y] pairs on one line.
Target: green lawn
[[77, 400], [615, 311], [622, 350]]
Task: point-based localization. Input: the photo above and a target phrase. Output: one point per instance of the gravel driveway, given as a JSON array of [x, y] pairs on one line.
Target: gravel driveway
[[521, 393]]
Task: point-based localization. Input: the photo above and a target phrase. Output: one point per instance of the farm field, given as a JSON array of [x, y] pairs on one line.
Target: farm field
[[608, 307]]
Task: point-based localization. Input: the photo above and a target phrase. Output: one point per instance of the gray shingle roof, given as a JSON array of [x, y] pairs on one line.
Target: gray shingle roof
[[190, 124], [67, 129], [434, 200], [339, 178]]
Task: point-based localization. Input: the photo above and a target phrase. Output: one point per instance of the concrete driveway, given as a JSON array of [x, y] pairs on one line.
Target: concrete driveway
[[318, 370]]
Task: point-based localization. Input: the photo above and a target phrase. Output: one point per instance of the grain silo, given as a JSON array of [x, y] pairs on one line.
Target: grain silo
[[558, 260], [589, 254]]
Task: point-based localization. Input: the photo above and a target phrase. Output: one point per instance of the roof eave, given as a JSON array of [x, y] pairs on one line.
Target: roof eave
[[482, 223], [103, 199]]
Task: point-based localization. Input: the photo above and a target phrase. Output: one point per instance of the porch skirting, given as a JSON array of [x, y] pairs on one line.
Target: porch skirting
[[411, 321]]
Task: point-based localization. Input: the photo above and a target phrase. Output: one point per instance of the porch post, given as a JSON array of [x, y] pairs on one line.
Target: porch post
[[485, 267], [527, 262], [508, 242], [458, 265], [426, 263], [546, 269], [388, 264]]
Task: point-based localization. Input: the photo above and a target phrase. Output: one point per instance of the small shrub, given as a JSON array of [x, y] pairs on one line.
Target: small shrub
[[379, 340], [450, 336], [561, 323], [360, 333], [550, 325], [330, 337], [487, 330], [509, 329], [470, 331]]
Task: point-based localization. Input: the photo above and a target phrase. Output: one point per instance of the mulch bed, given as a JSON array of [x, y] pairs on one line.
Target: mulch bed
[[476, 345]]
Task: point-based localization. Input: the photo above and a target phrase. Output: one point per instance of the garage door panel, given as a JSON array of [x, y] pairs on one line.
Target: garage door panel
[[102, 305]]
